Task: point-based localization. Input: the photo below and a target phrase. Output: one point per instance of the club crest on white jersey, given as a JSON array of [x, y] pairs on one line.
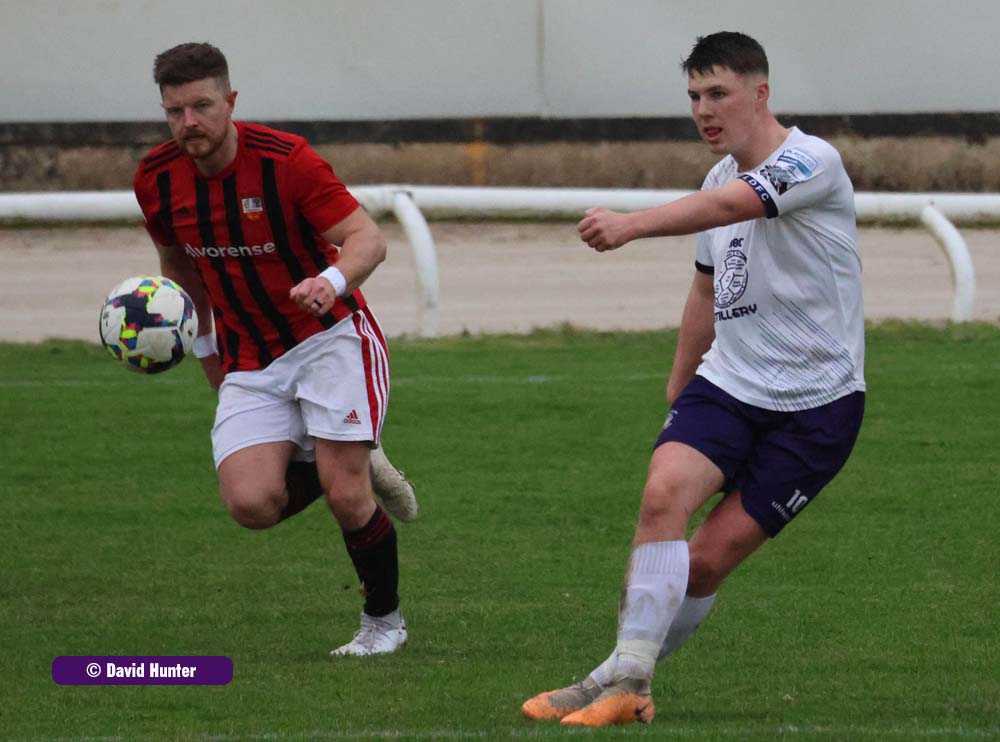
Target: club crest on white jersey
[[732, 280]]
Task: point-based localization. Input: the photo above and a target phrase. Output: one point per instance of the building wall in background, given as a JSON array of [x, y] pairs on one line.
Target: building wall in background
[[343, 60]]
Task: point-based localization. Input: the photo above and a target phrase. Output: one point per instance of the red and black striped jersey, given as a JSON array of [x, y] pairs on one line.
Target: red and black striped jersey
[[253, 232]]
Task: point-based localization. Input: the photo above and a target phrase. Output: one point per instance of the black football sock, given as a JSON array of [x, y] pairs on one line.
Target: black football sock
[[302, 484], [373, 550]]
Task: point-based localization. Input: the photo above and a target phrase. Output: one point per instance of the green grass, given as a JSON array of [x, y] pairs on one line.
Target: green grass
[[871, 617]]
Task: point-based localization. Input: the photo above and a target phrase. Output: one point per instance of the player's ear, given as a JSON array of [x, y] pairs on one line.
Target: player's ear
[[763, 92], [231, 98]]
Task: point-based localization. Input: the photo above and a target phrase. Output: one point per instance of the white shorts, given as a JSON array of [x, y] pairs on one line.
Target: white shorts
[[333, 385]]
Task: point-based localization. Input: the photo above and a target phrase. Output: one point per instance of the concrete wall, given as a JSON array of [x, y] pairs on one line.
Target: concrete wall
[[90, 60]]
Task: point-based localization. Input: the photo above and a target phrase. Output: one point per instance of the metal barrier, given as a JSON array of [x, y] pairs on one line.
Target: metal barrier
[[411, 204]]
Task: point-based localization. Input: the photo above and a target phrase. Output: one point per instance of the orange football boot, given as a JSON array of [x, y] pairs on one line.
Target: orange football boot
[[624, 702], [555, 704]]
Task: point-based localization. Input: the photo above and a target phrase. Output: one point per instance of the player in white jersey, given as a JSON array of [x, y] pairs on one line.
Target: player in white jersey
[[767, 385], [788, 289]]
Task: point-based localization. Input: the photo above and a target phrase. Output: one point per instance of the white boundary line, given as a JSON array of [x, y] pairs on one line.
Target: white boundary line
[[404, 381], [548, 731]]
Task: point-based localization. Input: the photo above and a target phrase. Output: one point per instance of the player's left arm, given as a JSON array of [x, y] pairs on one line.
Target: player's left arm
[[362, 248], [696, 334], [734, 202], [178, 266]]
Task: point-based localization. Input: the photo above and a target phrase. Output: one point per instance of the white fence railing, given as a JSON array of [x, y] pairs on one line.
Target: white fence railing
[[411, 204]]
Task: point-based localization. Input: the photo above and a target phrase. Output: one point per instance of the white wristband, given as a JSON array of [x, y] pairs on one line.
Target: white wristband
[[204, 346], [336, 278]]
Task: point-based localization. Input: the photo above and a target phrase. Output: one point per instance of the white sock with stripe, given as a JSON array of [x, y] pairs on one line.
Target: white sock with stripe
[[603, 673], [654, 590], [690, 615]]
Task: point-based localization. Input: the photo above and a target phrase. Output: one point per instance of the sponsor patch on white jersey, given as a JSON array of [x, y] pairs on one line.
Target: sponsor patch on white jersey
[[801, 164], [791, 166]]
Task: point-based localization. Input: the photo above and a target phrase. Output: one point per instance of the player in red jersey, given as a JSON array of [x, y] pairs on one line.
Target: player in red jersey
[[247, 220]]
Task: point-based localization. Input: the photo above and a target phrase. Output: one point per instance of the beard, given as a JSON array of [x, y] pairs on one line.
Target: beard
[[202, 146]]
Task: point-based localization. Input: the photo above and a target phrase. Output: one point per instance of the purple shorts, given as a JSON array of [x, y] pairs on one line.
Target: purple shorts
[[777, 461]]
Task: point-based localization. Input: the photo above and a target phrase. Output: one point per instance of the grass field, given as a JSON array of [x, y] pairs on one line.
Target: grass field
[[872, 617]]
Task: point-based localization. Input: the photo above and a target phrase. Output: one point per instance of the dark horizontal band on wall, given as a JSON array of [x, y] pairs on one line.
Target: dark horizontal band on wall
[[975, 127]]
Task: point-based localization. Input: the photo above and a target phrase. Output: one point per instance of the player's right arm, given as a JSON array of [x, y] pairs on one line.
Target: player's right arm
[[696, 334], [736, 201], [176, 265]]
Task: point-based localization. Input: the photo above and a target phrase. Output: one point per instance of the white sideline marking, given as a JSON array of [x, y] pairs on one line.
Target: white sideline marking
[[529, 732], [533, 379], [65, 383], [399, 381]]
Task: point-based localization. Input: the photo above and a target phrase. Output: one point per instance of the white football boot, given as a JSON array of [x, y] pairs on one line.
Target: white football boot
[[382, 635], [392, 489]]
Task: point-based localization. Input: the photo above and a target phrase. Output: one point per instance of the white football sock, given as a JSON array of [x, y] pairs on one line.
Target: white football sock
[[394, 619], [689, 617], [654, 589], [603, 673]]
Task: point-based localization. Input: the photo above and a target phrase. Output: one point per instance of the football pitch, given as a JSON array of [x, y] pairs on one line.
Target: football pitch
[[871, 617]]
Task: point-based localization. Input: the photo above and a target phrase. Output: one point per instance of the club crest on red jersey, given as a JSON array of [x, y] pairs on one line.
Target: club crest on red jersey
[[253, 208]]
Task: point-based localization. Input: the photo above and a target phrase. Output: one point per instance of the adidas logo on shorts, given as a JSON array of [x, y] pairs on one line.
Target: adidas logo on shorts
[[353, 418]]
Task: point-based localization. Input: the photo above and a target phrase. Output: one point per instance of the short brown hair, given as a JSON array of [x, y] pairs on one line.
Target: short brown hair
[[189, 62], [737, 51]]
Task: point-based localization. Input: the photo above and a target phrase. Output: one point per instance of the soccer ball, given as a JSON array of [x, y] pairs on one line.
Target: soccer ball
[[149, 323]]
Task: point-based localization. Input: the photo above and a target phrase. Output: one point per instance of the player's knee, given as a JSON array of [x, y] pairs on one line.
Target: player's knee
[[347, 476], [662, 502], [348, 503], [257, 510]]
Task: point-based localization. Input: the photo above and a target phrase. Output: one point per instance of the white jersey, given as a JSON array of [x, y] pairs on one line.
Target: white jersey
[[789, 319]]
